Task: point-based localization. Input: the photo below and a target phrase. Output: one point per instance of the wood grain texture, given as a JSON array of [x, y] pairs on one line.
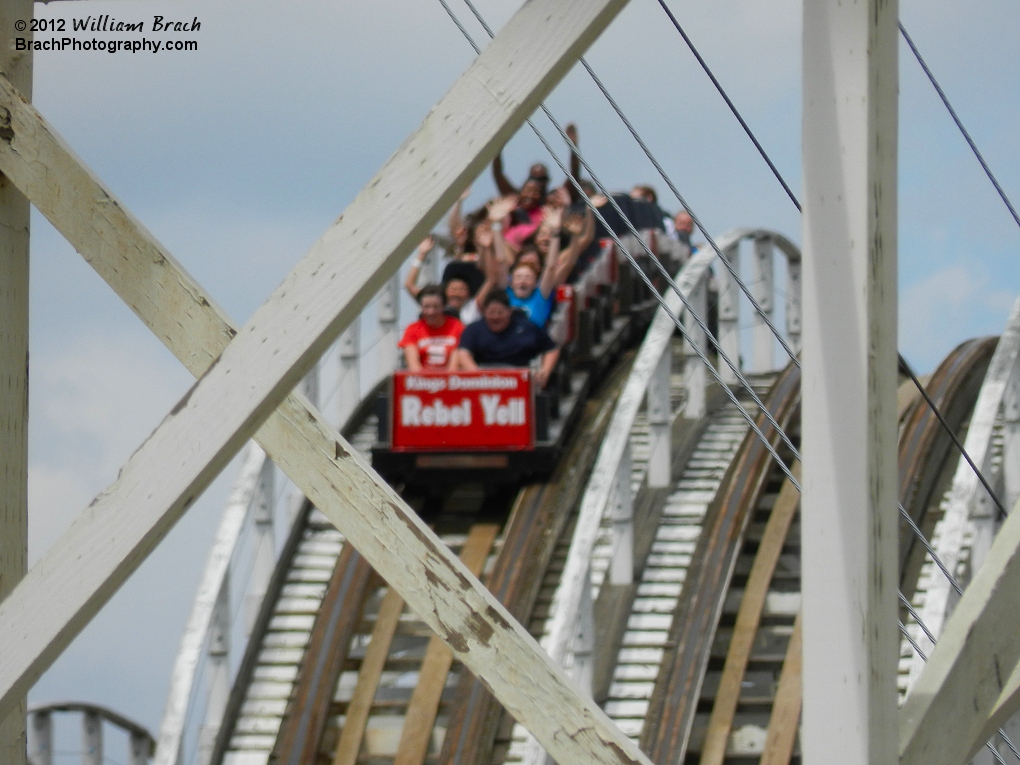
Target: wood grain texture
[[924, 444], [535, 525], [781, 737], [614, 603], [674, 699], [720, 722], [328, 648], [421, 712], [547, 34], [966, 495], [944, 720], [597, 493], [14, 333], [368, 678]]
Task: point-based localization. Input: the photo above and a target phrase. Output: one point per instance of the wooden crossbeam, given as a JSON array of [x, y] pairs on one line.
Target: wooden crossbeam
[[781, 737], [720, 723], [328, 648], [372, 666], [421, 713], [270, 354], [14, 289], [943, 720]]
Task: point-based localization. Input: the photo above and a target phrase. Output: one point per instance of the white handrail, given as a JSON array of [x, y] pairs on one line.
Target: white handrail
[[200, 621], [762, 290], [204, 667], [576, 577], [968, 502], [139, 745], [649, 377]]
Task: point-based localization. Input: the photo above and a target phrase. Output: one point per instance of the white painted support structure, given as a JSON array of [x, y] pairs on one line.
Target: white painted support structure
[[389, 301], [998, 393], [14, 289], [1011, 441], [848, 412], [762, 287], [349, 385], [310, 386], [217, 672], [729, 312], [42, 738], [660, 417], [140, 741], [621, 565], [794, 322], [944, 719], [649, 380], [198, 639], [999, 397], [275, 349], [91, 738], [576, 576], [584, 643], [264, 543], [695, 373]]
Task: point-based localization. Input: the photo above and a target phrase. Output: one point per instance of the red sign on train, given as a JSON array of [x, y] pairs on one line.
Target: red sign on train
[[453, 411]]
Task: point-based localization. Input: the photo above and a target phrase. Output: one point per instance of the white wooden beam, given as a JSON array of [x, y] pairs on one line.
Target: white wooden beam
[[763, 289], [543, 39], [944, 718], [729, 314], [695, 373], [576, 576], [14, 221], [848, 415], [966, 492], [659, 408], [348, 392], [203, 608]]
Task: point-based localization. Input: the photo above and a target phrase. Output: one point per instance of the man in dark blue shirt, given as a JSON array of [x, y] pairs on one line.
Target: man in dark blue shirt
[[506, 338]]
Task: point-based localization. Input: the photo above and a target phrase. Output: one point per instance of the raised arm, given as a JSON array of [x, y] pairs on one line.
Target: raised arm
[[456, 218], [503, 184], [552, 220], [499, 209], [411, 282], [485, 239], [582, 232]]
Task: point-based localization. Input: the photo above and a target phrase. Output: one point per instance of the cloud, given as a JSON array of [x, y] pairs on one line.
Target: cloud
[[954, 303]]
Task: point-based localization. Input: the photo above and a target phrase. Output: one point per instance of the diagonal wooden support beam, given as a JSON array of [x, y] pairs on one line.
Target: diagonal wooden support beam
[[944, 719], [269, 355]]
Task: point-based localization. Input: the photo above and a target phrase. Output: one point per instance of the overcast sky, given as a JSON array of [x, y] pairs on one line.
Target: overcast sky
[[239, 155]]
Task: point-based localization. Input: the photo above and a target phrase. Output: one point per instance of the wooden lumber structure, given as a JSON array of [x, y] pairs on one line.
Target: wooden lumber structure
[[838, 674], [545, 38]]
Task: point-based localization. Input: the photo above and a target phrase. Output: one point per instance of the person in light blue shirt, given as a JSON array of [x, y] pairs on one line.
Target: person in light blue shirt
[[532, 287]]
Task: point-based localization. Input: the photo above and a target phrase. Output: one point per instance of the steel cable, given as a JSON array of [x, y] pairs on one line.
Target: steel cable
[[672, 187], [959, 124], [761, 150], [683, 299], [704, 328]]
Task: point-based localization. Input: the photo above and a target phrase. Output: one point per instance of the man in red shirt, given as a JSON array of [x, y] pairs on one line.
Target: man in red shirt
[[429, 343]]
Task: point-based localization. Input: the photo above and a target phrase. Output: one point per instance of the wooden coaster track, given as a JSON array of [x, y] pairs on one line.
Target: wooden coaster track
[[346, 674], [707, 672]]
